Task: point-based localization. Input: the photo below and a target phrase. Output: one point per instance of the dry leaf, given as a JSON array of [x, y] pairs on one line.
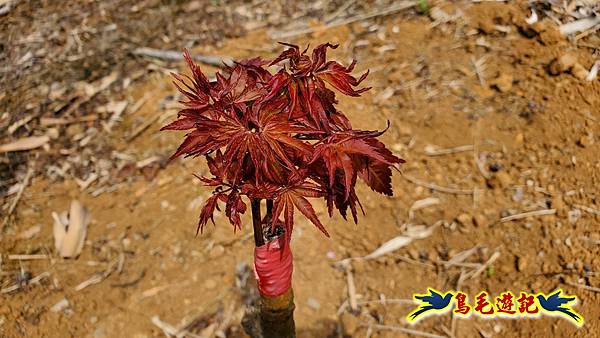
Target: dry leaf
[[27, 143], [69, 241], [389, 246], [421, 204], [579, 25], [414, 232]]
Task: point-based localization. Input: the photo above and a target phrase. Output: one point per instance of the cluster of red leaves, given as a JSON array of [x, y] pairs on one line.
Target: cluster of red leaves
[[279, 136]]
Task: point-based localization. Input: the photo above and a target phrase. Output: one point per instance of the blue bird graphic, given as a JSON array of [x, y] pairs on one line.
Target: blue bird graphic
[[432, 301], [554, 303]]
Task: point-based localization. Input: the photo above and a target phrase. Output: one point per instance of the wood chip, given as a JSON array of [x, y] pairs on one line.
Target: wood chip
[[27, 143]]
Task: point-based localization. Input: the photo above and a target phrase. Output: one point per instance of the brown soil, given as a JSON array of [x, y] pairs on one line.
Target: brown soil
[[537, 136]]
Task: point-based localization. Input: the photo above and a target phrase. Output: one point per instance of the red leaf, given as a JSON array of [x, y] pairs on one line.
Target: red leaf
[[280, 136]]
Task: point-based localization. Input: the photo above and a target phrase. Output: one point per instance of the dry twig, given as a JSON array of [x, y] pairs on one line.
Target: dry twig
[[436, 187], [543, 212], [382, 12], [172, 55]]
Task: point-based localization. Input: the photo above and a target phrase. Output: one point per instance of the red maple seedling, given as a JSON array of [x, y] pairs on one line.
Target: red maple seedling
[[279, 137]]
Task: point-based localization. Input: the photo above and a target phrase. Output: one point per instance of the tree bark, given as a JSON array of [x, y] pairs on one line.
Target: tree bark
[[274, 317]]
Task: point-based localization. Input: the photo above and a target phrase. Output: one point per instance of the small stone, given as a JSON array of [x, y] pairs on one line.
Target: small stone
[[350, 323], [579, 71], [501, 179], [566, 62], [519, 138], [210, 284], [559, 205], [414, 254], [521, 263], [480, 220], [60, 305], [465, 219], [217, 251], [503, 82], [574, 215], [313, 304], [584, 141]]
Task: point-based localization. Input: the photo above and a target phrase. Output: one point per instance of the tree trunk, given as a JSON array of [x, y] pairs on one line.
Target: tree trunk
[[274, 317]]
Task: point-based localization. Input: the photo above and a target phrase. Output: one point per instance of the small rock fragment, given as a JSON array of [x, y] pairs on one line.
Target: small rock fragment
[[349, 323], [500, 179], [579, 71], [574, 216], [210, 284], [480, 220], [313, 304], [503, 82], [566, 62], [521, 263], [61, 305], [465, 219]]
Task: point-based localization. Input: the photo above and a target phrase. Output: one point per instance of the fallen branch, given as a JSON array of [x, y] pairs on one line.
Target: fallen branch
[[476, 273], [543, 212], [98, 277], [436, 187], [27, 257], [432, 150], [52, 121], [27, 143], [382, 12], [588, 209], [139, 129], [583, 286], [172, 55], [34, 280], [17, 198]]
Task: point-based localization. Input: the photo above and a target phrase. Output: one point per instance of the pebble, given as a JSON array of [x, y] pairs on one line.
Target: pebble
[[574, 216], [60, 305], [562, 64], [519, 138], [521, 263], [465, 219], [480, 220], [350, 323], [579, 71], [584, 141], [503, 82], [559, 205], [210, 284], [313, 304]]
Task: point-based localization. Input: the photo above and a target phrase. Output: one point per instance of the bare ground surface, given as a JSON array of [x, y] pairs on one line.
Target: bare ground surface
[[483, 81]]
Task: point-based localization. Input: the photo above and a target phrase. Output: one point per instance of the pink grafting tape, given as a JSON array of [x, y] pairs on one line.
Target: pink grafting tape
[[273, 267]]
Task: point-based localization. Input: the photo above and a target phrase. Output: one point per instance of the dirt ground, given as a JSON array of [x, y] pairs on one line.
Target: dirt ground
[[523, 134]]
